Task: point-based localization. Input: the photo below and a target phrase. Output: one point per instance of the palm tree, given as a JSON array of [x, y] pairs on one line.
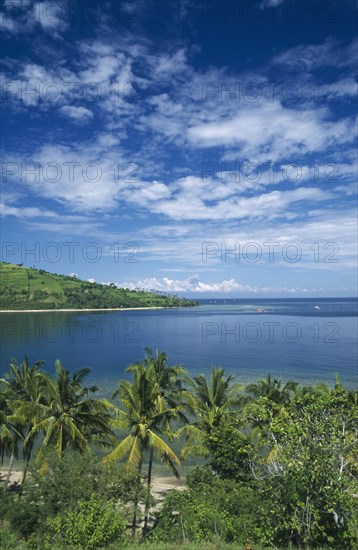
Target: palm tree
[[323, 388], [147, 416], [168, 380], [212, 403], [65, 414], [10, 432], [23, 378], [25, 383], [273, 389]]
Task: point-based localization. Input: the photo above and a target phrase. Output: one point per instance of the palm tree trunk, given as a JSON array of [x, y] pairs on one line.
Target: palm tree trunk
[[136, 498], [11, 463], [147, 499], [26, 467]]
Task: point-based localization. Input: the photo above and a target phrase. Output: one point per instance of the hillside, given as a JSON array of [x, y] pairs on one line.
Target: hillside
[[28, 288]]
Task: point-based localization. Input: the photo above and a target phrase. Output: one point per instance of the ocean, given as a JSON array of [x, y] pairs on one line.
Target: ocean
[[307, 340]]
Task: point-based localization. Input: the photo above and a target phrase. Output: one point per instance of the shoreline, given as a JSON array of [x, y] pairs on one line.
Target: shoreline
[[160, 483], [87, 309]]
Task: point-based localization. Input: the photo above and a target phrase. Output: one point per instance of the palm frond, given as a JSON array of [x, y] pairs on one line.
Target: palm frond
[[164, 452], [121, 450]]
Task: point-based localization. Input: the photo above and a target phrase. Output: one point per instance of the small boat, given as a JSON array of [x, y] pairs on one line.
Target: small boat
[[260, 310], [317, 307]]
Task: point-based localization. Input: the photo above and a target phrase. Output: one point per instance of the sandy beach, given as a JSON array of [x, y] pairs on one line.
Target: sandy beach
[[85, 309], [160, 485]]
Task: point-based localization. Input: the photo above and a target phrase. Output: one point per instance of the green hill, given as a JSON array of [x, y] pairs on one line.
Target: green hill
[[28, 288]]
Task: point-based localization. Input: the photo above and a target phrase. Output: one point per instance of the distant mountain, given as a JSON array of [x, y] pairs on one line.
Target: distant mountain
[[28, 288]]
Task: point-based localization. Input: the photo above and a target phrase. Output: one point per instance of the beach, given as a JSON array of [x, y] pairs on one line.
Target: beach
[[160, 485], [85, 309]]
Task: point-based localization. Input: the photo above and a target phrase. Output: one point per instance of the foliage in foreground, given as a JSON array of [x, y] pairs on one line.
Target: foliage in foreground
[[73, 498], [91, 524], [281, 472], [290, 480]]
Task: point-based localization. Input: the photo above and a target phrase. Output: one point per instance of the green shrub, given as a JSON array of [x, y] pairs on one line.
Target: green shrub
[[10, 541], [58, 485], [91, 524], [211, 508]]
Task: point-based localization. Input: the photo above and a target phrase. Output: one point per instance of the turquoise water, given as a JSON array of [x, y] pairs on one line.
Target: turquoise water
[[306, 340]]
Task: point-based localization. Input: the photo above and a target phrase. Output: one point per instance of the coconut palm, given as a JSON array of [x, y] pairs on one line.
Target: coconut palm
[[168, 383], [169, 378], [25, 384], [323, 388], [65, 414], [212, 402], [10, 430], [273, 389], [24, 379], [146, 416]]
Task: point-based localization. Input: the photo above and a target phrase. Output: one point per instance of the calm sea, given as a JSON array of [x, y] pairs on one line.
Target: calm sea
[[306, 340]]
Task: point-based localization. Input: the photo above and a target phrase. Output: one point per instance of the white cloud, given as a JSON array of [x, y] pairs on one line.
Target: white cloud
[[81, 114], [26, 212], [48, 221], [109, 75], [102, 68], [345, 87], [196, 286], [37, 85], [273, 132], [51, 15], [97, 176], [16, 4], [7, 24], [81, 176], [27, 15], [172, 63], [190, 206], [129, 7], [183, 244], [191, 284], [306, 57], [271, 3]]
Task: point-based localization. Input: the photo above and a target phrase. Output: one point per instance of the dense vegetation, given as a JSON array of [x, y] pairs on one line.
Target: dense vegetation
[[29, 288], [280, 466]]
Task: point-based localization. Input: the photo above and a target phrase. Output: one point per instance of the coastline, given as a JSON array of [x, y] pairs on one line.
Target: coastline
[[86, 309], [161, 484]]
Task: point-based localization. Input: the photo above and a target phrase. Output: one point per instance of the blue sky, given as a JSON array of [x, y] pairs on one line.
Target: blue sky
[[202, 148]]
